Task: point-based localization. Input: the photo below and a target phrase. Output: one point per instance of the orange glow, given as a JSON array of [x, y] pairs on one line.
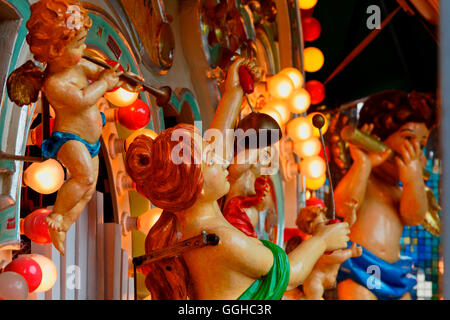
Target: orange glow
[[299, 101], [313, 167], [147, 132], [324, 129], [307, 4], [148, 219], [121, 97], [274, 114], [307, 195], [308, 148], [49, 272], [299, 129], [314, 184], [295, 75], [280, 86], [45, 177], [281, 107], [314, 59]]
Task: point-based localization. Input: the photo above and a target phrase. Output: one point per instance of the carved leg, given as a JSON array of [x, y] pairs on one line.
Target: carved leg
[[313, 288]]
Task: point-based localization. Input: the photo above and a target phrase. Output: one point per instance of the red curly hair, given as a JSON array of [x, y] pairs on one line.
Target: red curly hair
[[52, 25], [172, 187]]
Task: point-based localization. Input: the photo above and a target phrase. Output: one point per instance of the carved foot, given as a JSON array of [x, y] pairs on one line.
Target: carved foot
[[58, 238], [55, 222]]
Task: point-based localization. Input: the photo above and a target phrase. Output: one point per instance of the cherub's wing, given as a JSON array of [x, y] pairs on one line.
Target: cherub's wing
[[24, 84]]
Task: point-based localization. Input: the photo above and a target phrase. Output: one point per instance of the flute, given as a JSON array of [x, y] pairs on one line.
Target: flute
[[162, 94], [353, 135]]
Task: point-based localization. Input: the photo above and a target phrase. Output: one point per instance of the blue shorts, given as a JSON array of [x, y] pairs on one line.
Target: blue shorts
[[387, 281], [51, 146]]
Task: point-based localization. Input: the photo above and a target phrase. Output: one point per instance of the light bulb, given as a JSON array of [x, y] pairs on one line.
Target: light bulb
[[295, 75], [314, 59], [299, 129], [307, 4], [311, 28], [44, 177], [121, 97], [324, 129], [314, 184], [316, 90], [307, 148], [313, 167], [49, 271], [135, 116], [299, 101], [281, 107], [280, 86], [146, 132], [147, 220], [35, 227]]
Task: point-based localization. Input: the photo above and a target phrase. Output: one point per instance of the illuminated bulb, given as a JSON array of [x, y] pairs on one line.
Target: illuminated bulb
[[307, 4], [281, 107], [274, 114], [45, 177], [35, 227], [295, 75], [280, 86], [308, 195], [313, 167], [316, 90], [299, 101], [311, 28], [314, 59], [146, 132], [49, 271], [308, 148], [299, 129], [121, 97], [314, 184], [316, 132]]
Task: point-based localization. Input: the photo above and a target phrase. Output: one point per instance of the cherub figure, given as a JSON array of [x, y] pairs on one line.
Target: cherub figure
[[238, 267], [72, 85], [325, 271], [402, 121]]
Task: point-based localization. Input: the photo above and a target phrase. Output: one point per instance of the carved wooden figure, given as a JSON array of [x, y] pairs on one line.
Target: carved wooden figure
[[72, 85], [188, 192]]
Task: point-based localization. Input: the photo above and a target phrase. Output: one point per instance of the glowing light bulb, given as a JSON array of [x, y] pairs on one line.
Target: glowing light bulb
[[299, 101], [121, 97], [313, 167], [281, 107], [135, 116], [299, 129], [147, 132], [308, 148], [35, 227], [49, 272], [280, 86], [314, 184], [311, 28], [295, 75], [307, 4], [45, 177], [316, 132], [314, 59], [316, 90], [274, 114]]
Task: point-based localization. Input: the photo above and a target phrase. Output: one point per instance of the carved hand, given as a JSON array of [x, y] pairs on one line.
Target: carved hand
[[335, 236], [111, 77], [410, 165]]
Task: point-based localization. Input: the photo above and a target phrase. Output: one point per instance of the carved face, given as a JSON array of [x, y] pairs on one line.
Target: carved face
[[215, 173], [310, 217], [73, 52]]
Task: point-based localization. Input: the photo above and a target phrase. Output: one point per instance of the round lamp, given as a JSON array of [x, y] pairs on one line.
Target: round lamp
[[147, 132], [281, 107], [274, 114], [295, 75], [324, 129], [299, 101], [307, 148], [35, 227], [13, 286], [314, 184], [316, 90], [299, 129], [313, 167], [311, 28], [44, 177], [135, 116], [28, 269], [148, 219], [280, 86], [121, 97], [314, 59], [49, 271], [307, 4]]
